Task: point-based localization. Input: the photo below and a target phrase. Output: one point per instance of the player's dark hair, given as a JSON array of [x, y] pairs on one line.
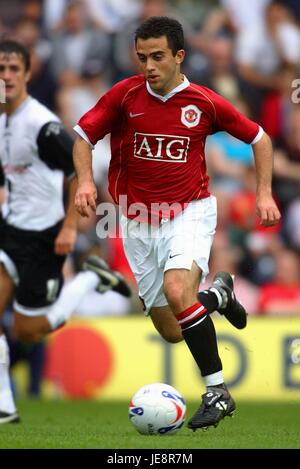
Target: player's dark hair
[[158, 26], [14, 47]]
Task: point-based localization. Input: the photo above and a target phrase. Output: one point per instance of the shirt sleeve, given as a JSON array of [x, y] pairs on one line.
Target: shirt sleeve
[[102, 118], [232, 121], [55, 148]]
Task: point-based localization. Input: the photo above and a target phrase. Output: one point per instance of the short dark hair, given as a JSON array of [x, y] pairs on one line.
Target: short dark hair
[[158, 26], [14, 47]]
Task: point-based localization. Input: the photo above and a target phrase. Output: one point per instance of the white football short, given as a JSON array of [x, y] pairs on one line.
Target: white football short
[[174, 244]]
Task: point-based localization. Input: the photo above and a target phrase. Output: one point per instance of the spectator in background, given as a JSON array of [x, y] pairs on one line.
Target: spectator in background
[[10, 13], [32, 11], [282, 294], [43, 85], [53, 12], [294, 6], [76, 44], [74, 100], [256, 243], [287, 161], [277, 105], [220, 73], [292, 224], [263, 49], [244, 15], [200, 57], [111, 15]]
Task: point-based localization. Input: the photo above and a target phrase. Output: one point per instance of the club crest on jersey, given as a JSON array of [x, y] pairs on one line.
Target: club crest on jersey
[[190, 115]]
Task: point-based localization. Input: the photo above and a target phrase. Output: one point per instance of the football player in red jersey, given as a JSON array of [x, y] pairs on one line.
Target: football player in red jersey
[[158, 123]]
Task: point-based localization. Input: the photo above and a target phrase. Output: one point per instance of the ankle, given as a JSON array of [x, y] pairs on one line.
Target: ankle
[[217, 386]]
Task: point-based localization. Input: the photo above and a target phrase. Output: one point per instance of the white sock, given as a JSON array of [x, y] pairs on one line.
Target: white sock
[[214, 379], [7, 403], [70, 296]]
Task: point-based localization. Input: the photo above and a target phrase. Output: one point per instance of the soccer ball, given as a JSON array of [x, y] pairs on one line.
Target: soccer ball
[[157, 408]]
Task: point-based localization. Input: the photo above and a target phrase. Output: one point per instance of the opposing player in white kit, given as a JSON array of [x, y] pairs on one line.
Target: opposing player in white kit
[[158, 123], [36, 234]]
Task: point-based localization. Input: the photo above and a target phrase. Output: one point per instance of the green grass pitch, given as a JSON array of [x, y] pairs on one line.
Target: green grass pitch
[[103, 424]]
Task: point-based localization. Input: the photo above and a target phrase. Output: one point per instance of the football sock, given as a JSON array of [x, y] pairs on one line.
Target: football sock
[[70, 296], [7, 403], [214, 380], [213, 299], [200, 336]]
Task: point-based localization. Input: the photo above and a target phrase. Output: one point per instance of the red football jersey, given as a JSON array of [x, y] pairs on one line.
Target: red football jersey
[[157, 142]]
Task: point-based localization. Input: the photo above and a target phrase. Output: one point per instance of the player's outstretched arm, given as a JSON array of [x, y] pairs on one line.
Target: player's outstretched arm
[[266, 207], [86, 194]]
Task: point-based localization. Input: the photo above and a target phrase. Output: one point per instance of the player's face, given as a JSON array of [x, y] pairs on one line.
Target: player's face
[[158, 64], [12, 72]]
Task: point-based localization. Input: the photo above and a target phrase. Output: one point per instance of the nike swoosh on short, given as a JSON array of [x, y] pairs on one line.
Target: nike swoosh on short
[[175, 255], [131, 114]]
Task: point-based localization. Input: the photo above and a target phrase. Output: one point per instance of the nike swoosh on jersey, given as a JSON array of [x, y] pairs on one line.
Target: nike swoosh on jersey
[[131, 114], [175, 255]]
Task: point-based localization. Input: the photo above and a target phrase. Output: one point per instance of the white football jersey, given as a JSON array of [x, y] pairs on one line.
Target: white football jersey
[[35, 186]]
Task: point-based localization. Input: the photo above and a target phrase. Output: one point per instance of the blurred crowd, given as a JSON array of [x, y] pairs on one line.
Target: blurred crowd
[[247, 51]]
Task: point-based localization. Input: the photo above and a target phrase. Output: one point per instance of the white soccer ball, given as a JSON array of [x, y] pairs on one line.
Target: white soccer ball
[[157, 408]]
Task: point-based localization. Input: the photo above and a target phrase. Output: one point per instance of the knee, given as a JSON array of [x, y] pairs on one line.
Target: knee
[[175, 295]]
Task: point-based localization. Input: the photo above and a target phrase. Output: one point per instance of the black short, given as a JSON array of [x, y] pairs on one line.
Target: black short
[[39, 268]]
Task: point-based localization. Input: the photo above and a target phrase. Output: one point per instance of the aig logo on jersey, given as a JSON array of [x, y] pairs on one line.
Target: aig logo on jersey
[[160, 147], [190, 115]]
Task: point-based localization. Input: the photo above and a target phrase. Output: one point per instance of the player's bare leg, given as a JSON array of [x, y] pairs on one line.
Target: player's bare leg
[[166, 324], [8, 411], [163, 317], [30, 329], [7, 289], [181, 287]]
